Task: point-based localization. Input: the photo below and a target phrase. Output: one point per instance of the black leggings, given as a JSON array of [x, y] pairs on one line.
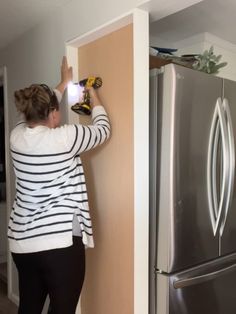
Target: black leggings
[[59, 273]]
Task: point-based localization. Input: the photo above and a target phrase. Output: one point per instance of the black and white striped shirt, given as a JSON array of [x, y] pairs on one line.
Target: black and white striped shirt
[[50, 183]]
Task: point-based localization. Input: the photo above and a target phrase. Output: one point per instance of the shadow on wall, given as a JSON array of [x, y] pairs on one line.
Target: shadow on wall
[[2, 149], [3, 210]]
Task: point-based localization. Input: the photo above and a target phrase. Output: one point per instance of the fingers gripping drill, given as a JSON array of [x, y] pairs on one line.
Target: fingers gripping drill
[[84, 107]]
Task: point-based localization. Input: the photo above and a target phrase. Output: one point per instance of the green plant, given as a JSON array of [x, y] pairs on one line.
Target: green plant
[[208, 62]]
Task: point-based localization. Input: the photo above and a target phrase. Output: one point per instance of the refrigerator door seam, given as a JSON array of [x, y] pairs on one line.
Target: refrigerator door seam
[[214, 133]]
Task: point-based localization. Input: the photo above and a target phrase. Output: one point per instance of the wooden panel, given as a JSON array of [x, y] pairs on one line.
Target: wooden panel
[[109, 286], [156, 62]]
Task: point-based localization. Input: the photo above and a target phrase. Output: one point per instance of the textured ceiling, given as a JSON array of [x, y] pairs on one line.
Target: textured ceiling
[[217, 17], [17, 16]]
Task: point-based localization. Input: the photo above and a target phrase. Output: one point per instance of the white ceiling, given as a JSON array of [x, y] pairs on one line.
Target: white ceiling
[[17, 16], [217, 17]]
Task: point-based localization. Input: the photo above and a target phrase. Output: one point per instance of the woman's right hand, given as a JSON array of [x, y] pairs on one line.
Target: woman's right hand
[[95, 99]]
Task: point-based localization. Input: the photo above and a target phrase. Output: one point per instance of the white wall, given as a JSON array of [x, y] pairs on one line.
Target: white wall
[[36, 56]]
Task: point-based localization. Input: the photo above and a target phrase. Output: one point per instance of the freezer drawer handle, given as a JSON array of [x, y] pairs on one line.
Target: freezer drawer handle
[[182, 283]]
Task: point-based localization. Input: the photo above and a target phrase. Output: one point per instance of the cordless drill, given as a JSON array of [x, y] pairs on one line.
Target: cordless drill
[[84, 106]]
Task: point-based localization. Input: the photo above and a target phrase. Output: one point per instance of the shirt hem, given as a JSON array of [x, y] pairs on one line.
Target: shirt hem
[[48, 243], [40, 244]]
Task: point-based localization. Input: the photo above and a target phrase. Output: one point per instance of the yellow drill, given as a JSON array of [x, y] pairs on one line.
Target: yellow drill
[[84, 106]]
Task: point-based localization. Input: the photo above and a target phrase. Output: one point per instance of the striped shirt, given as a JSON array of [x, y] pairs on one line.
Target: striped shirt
[[50, 183]]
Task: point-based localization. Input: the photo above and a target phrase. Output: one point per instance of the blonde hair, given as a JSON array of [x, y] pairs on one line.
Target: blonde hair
[[36, 102]]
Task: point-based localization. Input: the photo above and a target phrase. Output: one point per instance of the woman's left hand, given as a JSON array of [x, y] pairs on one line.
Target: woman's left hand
[[66, 71], [66, 76]]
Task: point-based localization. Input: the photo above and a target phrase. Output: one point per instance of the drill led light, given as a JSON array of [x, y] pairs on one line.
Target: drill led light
[[74, 89]]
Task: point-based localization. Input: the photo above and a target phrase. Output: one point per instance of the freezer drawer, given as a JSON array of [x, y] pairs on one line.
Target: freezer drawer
[[207, 289]]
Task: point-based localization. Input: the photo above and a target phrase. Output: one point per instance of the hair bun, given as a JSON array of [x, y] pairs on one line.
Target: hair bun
[[30, 92], [24, 97], [20, 101]]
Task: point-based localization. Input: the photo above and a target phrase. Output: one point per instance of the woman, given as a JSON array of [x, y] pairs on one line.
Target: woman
[[50, 222]]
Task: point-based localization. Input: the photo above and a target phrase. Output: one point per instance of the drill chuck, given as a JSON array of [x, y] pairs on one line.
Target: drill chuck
[[91, 81]]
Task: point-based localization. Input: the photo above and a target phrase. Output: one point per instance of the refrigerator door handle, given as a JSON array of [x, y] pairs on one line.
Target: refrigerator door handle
[[182, 283], [231, 163], [214, 168], [211, 191], [218, 122]]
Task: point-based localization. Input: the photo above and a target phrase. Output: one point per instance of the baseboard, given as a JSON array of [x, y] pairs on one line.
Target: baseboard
[[3, 259], [78, 309], [14, 298], [3, 272]]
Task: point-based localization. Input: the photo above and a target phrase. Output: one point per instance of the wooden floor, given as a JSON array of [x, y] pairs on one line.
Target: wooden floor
[[6, 306]]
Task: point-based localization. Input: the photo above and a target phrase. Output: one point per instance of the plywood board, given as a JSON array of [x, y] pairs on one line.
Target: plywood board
[[109, 284]]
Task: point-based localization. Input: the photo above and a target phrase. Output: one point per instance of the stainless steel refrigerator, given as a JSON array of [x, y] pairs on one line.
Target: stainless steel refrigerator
[[192, 192]]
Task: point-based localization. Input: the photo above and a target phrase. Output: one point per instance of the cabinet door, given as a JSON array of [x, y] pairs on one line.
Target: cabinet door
[[185, 234]]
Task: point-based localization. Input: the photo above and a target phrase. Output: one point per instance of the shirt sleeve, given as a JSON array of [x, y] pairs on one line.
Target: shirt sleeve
[[87, 137], [58, 95]]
